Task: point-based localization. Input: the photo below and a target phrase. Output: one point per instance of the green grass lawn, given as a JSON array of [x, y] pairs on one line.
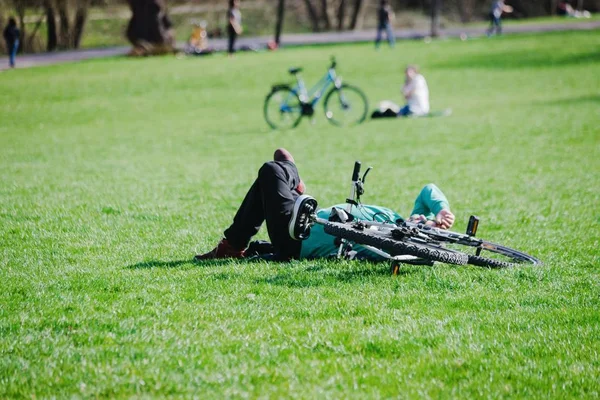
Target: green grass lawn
[[115, 172]]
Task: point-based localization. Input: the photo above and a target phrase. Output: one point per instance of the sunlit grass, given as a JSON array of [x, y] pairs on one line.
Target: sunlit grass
[[115, 172]]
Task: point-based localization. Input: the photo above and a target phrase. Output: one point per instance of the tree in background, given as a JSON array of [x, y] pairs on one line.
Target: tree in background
[[436, 10], [279, 24], [150, 29], [67, 34], [341, 14]]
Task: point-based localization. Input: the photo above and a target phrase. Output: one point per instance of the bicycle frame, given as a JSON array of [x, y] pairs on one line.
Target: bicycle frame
[[312, 96], [354, 200], [316, 92]]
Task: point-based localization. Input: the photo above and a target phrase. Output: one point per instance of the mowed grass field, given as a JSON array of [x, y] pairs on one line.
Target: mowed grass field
[[116, 172]]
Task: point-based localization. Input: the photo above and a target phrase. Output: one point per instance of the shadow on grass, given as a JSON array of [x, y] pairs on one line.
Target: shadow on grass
[[317, 275], [177, 263], [520, 59]]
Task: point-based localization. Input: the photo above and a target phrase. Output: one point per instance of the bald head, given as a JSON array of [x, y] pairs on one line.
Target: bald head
[[282, 154]]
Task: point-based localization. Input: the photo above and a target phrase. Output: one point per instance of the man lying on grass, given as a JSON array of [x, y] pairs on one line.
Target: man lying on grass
[[272, 198]]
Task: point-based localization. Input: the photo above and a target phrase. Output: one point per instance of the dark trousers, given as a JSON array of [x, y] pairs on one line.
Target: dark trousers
[[389, 33], [495, 24], [271, 198], [232, 35], [12, 47]]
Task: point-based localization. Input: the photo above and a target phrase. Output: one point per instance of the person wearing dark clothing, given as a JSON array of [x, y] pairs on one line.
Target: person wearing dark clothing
[[385, 16], [271, 199], [11, 37], [234, 25]]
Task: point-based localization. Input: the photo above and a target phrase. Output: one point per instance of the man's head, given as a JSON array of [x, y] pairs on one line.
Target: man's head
[[411, 71], [12, 22], [282, 154]]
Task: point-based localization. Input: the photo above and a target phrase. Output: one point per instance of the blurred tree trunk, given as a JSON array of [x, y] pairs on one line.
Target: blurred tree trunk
[[325, 14], [312, 16], [32, 35], [79, 22], [279, 25], [341, 15], [149, 29], [52, 40], [465, 10], [20, 9], [356, 12], [436, 6], [64, 31]]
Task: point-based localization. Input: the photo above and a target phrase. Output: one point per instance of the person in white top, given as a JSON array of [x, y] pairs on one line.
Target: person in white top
[[498, 8], [416, 93]]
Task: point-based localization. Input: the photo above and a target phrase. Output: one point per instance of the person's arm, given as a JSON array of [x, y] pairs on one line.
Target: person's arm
[[408, 89], [432, 207], [234, 23]]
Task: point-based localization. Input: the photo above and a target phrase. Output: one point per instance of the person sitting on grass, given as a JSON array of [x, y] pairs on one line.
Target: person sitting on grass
[[276, 196], [415, 92]]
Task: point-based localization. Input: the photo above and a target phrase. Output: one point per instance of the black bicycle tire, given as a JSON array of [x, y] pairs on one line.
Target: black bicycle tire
[[489, 262], [349, 87], [394, 246], [269, 96], [519, 258], [524, 258]]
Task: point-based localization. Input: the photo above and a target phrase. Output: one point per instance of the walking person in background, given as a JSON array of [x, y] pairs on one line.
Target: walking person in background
[[385, 17], [234, 25], [498, 7], [11, 37]]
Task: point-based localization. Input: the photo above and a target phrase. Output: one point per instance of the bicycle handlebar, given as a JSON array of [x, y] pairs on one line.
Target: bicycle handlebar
[[333, 62], [356, 171]]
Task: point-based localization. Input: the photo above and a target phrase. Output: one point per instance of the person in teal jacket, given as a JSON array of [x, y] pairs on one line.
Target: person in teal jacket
[[431, 207]]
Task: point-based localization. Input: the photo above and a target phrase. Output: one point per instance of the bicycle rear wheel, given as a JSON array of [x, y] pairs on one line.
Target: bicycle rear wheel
[[283, 108], [346, 105], [385, 242]]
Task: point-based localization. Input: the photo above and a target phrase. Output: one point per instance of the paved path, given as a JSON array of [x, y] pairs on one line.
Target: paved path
[[33, 60]]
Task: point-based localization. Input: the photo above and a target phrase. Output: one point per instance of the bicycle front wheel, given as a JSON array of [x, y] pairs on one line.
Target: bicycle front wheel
[[480, 252], [346, 105], [283, 108]]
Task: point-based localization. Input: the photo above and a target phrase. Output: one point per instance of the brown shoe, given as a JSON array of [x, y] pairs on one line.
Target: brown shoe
[[223, 250]]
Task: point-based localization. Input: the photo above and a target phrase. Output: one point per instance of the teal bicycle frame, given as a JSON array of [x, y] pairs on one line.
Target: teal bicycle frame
[[309, 98]]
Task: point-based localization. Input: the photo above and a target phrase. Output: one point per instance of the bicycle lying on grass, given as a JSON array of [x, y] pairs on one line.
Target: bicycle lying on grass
[[404, 241], [344, 104]]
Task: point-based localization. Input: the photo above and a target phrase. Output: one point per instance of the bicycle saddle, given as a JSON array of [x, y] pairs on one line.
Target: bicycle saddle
[[295, 70]]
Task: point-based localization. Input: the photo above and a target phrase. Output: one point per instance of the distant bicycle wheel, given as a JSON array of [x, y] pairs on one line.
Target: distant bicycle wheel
[[283, 108], [346, 105]]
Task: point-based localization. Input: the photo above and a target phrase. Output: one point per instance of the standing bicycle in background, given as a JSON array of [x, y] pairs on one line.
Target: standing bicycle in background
[[234, 24], [286, 104], [385, 18], [11, 37], [498, 8]]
